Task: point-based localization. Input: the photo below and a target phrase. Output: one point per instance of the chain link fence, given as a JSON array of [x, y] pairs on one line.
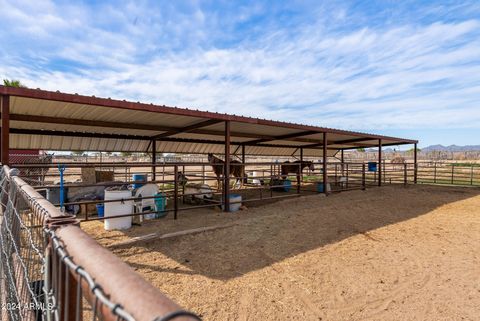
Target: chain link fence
[[51, 270]]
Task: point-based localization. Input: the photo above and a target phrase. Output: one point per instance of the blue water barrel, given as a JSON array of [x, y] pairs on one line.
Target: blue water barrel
[[372, 166], [160, 204], [100, 210], [287, 185], [139, 178], [320, 187]]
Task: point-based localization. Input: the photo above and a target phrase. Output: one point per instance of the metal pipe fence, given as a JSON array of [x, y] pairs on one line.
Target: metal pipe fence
[[263, 178], [51, 270], [449, 173]]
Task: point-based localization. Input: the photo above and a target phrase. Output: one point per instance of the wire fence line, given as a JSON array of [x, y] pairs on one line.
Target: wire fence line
[[51, 270]]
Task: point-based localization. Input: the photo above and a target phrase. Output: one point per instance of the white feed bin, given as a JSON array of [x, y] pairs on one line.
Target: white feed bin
[[235, 202], [113, 209], [256, 181]]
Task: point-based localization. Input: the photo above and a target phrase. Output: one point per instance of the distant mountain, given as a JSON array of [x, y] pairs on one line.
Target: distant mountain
[[451, 148]]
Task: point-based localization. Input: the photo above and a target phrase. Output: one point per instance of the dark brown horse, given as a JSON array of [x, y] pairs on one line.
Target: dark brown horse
[[236, 171], [295, 167]]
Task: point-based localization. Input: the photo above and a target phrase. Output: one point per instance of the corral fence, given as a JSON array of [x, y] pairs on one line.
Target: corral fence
[[51, 270], [449, 173], [254, 181]]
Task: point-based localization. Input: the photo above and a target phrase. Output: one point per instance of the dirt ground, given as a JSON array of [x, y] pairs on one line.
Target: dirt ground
[[390, 253]]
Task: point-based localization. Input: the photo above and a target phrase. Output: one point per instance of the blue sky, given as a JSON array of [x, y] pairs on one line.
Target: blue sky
[[403, 68]]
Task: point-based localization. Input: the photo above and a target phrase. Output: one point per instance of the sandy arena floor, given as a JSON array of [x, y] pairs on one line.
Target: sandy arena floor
[[393, 253]]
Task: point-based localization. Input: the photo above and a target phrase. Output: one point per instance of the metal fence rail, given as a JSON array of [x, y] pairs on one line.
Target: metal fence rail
[[449, 173], [51, 270]]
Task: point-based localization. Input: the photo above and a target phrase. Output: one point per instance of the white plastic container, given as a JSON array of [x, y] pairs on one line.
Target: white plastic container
[[113, 209], [235, 202], [145, 205], [256, 181]]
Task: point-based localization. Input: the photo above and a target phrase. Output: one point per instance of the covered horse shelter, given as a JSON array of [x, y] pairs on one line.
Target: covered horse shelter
[[268, 152]]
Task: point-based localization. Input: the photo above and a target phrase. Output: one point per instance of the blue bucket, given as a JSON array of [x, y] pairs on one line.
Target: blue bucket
[[160, 204], [372, 166], [139, 178], [100, 210]]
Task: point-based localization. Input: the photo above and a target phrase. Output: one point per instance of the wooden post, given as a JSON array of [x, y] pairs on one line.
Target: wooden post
[[226, 169], [5, 132], [435, 173], [405, 176], [415, 165], [325, 175], [379, 162], [154, 159]]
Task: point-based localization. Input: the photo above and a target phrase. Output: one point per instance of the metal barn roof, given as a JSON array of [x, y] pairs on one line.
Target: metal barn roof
[[58, 121]]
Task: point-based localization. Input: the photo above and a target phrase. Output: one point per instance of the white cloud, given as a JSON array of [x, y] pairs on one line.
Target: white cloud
[[415, 75]]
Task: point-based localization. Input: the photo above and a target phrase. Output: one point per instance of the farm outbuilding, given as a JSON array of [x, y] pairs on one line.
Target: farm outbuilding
[[266, 151], [38, 119]]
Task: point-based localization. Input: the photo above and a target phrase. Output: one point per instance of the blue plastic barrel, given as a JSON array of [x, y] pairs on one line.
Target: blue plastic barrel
[[139, 178], [372, 166], [287, 185], [100, 210], [160, 204]]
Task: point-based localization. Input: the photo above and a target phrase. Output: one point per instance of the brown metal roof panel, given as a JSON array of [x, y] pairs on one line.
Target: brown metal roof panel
[[28, 106], [80, 128]]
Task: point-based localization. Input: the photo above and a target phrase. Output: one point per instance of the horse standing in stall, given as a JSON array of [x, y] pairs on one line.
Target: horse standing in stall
[[295, 167], [237, 171]]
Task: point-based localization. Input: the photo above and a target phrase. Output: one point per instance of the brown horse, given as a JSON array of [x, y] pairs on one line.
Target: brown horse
[[236, 171], [295, 167]]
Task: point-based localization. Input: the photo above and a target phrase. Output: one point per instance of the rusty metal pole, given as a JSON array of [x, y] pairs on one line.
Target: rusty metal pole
[[244, 178], [342, 161], [5, 131], [363, 177], [405, 174], [1, 103], [379, 162], [325, 176], [226, 169], [175, 192], [415, 165], [154, 159], [300, 174]]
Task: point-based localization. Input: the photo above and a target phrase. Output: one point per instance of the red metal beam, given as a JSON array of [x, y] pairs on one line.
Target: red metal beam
[[379, 162], [281, 137], [340, 142], [415, 161], [145, 138], [107, 124], [5, 131], [187, 129], [154, 159], [226, 169], [325, 174]]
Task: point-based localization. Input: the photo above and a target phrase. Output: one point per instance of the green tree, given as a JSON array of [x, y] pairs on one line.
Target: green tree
[[361, 149], [13, 83], [126, 154]]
